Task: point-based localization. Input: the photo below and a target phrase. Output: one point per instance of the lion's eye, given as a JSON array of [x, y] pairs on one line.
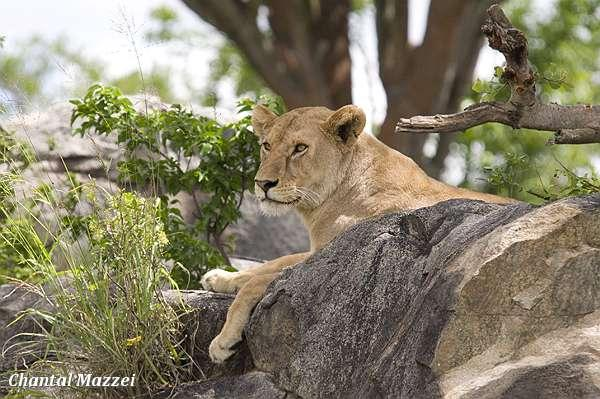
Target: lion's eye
[[266, 146], [300, 148]]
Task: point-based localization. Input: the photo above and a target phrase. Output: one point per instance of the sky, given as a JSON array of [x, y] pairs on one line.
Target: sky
[[112, 30]]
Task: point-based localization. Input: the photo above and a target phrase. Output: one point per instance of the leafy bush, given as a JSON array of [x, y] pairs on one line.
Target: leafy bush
[[506, 179], [172, 151], [497, 89], [109, 317]]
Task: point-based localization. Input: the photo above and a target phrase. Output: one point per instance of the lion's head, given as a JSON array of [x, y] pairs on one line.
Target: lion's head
[[304, 154]]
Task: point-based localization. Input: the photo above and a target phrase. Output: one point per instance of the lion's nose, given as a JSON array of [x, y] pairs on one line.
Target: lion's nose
[[266, 184]]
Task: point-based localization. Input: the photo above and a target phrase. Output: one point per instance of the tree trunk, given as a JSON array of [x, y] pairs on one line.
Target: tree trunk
[[304, 56], [435, 75]]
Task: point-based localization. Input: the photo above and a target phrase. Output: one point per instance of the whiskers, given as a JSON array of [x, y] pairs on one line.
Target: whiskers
[[302, 195], [290, 197], [309, 197]]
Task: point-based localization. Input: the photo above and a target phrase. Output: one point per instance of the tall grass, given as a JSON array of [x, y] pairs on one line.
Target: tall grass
[[108, 315]]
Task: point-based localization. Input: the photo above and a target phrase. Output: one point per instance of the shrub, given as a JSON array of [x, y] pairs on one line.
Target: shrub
[[173, 151], [505, 179]]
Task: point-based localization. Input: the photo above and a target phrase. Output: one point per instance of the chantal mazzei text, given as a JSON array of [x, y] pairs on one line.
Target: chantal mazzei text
[[78, 380]]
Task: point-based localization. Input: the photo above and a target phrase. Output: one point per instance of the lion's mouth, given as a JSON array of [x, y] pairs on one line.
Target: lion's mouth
[[280, 202]]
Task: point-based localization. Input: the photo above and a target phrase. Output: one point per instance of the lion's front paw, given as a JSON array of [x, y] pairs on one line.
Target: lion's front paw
[[218, 280], [220, 349]]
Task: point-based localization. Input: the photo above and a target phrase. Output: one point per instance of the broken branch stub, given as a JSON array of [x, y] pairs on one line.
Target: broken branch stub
[[512, 43]]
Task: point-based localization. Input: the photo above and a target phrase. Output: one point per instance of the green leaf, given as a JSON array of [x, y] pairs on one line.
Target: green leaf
[[498, 71], [479, 86]]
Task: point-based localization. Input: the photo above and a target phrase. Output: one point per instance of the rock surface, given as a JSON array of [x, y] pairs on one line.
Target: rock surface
[[459, 300], [204, 317], [252, 385]]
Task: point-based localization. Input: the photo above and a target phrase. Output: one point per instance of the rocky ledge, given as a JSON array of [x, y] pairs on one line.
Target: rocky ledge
[[459, 300]]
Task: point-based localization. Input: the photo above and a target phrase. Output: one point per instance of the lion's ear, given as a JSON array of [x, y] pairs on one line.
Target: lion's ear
[[261, 117], [346, 124]]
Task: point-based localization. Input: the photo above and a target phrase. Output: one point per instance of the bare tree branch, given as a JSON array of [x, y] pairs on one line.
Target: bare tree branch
[[576, 136], [512, 43], [573, 124], [472, 116], [237, 20], [552, 117]]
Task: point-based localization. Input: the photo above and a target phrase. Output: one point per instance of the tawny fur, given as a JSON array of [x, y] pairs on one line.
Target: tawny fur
[[342, 177]]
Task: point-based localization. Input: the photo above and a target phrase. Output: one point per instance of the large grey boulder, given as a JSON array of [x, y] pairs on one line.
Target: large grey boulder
[[48, 133], [459, 300]]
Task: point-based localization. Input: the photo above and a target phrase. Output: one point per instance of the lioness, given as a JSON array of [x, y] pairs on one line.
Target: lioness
[[318, 162]]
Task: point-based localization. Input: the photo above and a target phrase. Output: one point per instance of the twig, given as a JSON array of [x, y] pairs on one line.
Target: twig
[[572, 124]]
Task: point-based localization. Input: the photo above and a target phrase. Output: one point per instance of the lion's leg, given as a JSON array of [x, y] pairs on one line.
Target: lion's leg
[[219, 280], [238, 315]]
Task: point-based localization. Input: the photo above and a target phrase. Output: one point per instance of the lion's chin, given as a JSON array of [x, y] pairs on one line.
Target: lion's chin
[[272, 208]]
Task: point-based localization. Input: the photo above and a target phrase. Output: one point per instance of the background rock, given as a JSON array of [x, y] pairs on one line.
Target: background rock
[[265, 237], [49, 134]]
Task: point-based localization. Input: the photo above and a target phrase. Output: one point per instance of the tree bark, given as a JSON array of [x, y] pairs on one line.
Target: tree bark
[[434, 76], [305, 57]]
